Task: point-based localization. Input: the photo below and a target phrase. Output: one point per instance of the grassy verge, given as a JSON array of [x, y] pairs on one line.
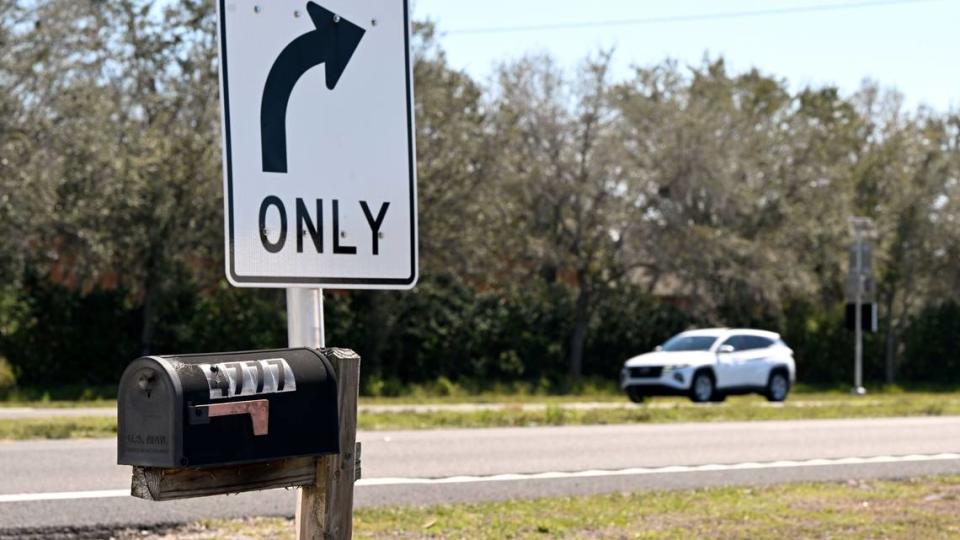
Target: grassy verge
[[735, 409], [57, 428], [451, 393], [919, 508], [59, 396], [60, 404], [492, 398], [559, 413], [612, 393], [375, 390]]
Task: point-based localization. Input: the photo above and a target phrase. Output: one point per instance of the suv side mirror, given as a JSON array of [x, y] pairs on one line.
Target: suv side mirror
[[658, 348], [725, 349]]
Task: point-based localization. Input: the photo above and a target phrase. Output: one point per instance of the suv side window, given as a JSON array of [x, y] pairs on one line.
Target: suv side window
[[737, 342], [756, 342]]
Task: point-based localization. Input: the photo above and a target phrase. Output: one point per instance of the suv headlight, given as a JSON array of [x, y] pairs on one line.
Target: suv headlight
[[676, 367]]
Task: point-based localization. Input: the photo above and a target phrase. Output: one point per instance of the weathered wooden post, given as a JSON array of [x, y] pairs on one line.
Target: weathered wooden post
[[325, 509]]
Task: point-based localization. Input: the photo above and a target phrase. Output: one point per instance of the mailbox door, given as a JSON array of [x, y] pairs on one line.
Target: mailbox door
[[226, 397], [148, 432]]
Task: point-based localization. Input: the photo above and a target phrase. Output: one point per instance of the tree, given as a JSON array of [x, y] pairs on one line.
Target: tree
[[116, 148], [567, 208], [453, 162], [906, 178], [748, 187]]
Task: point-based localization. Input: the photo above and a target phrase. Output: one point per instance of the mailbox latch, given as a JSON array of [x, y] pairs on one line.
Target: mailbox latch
[[258, 409]]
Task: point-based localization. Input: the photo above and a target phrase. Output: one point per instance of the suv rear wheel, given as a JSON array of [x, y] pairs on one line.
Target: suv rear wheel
[[702, 387], [778, 386]]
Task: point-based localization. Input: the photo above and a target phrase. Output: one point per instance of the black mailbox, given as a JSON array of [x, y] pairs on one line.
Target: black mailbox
[[202, 410]]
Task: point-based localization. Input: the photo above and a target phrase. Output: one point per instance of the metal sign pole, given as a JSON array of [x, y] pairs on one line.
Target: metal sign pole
[[858, 388], [305, 329], [325, 509], [305, 318]]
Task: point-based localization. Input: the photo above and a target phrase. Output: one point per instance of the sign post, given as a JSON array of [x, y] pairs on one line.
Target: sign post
[[861, 268], [319, 179], [325, 509], [858, 388]]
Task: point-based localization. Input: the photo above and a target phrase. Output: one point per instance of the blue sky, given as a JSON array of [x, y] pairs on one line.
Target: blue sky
[[911, 45]]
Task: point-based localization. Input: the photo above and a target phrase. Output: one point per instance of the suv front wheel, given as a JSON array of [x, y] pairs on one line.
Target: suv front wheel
[[702, 387], [635, 394]]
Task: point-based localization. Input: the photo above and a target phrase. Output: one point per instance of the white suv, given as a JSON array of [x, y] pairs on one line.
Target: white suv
[[709, 365]]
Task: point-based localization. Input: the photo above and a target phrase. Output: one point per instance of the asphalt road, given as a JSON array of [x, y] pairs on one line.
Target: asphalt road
[[58, 485]]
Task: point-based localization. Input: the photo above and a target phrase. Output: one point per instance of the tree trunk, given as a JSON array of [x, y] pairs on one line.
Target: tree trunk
[[579, 335], [890, 342], [376, 320], [148, 326], [891, 355], [153, 285]]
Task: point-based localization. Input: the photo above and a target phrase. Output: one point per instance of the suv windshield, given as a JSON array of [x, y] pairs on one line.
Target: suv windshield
[[689, 343]]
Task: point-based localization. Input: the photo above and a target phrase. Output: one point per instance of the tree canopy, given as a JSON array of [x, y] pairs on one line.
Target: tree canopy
[[555, 205]]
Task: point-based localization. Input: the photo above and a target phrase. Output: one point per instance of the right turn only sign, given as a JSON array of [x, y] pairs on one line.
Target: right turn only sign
[[319, 170]]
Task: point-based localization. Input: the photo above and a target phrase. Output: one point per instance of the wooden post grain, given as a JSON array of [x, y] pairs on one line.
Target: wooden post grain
[[325, 510], [157, 484]]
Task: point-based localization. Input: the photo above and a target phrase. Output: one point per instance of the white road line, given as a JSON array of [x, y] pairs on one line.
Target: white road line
[[596, 473], [660, 470], [64, 496]]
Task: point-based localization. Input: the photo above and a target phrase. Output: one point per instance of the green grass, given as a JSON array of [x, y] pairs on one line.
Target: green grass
[[919, 508], [490, 397], [81, 427], [597, 393], [375, 390], [446, 392], [443, 390], [745, 408], [519, 413], [64, 404], [60, 396]]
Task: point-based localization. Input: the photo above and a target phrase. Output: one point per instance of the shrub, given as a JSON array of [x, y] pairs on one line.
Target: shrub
[[70, 337], [628, 323], [932, 345], [8, 379]]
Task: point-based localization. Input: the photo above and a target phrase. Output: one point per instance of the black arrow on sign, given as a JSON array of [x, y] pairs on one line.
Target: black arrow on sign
[[333, 44]]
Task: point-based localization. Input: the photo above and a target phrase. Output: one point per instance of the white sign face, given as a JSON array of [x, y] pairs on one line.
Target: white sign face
[[319, 170]]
